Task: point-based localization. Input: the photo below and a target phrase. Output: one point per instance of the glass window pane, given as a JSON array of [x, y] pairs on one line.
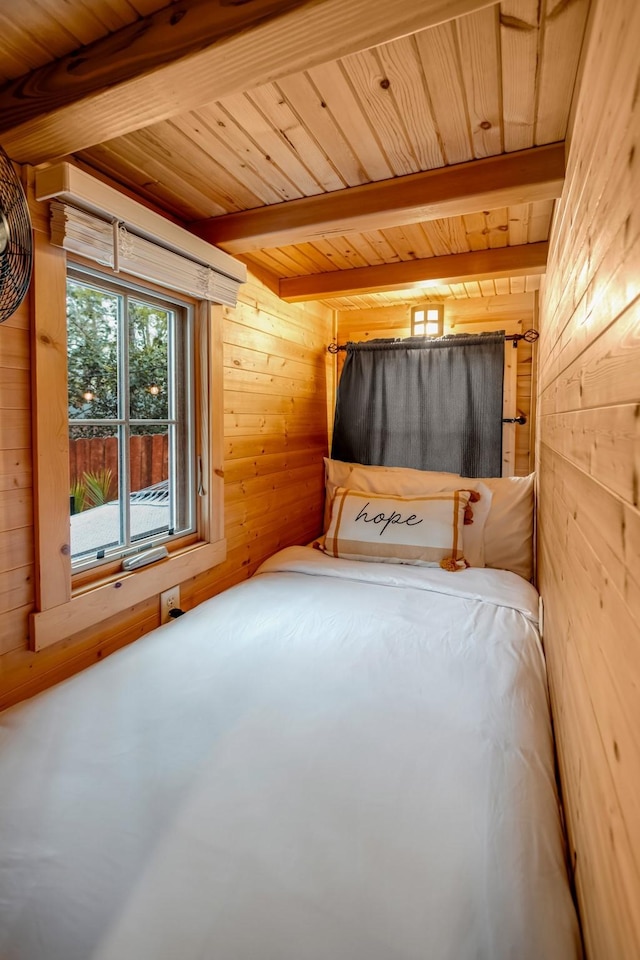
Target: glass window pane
[[433, 314], [132, 481], [151, 489], [184, 468], [418, 329], [433, 329], [148, 361], [92, 348], [94, 496]]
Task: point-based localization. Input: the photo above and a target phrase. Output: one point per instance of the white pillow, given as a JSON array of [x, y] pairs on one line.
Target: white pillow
[[425, 531], [338, 472], [508, 532], [422, 482]]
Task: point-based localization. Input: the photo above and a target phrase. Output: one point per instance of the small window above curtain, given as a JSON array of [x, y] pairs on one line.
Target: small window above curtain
[[427, 320]]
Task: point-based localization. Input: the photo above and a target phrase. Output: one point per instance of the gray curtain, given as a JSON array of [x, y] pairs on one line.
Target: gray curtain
[[430, 404]]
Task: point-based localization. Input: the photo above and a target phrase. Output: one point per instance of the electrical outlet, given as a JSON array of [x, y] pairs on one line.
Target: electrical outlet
[[169, 600]]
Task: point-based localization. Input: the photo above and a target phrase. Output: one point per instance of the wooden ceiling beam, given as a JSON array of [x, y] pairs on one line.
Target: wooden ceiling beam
[[488, 184], [191, 53], [523, 260]]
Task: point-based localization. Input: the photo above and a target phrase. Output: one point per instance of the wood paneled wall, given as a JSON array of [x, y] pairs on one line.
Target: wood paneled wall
[[16, 490], [589, 464], [512, 312], [278, 386]]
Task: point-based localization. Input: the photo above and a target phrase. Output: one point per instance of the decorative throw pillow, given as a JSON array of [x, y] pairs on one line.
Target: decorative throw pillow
[[425, 531], [421, 483], [406, 480]]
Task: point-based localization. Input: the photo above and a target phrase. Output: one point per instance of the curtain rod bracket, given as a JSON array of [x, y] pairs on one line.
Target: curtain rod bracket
[[521, 419]]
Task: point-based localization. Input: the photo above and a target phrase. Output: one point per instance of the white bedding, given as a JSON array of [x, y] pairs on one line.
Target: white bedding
[[334, 761]]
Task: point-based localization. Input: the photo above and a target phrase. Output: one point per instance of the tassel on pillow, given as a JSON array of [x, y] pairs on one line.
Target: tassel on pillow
[[448, 563], [474, 496]]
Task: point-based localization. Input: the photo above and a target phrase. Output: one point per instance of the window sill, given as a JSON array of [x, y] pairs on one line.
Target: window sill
[[95, 605], [83, 581]]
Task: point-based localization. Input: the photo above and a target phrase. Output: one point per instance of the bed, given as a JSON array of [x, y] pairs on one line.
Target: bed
[[336, 760]]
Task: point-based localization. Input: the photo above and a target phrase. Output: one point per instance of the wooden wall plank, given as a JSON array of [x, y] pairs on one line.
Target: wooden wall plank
[[601, 673], [15, 468], [604, 442], [615, 283], [50, 422], [16, 547], [525, 434], [588, 465], [606, 373], [509, 410]]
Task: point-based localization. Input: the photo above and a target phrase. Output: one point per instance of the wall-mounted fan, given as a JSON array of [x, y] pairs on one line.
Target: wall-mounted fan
[[15, 240]]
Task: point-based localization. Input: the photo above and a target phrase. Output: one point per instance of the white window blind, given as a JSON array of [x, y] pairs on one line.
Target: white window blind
[[111, 243]]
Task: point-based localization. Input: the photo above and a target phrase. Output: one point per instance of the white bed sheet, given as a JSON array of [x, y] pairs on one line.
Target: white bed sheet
[[334, 761]]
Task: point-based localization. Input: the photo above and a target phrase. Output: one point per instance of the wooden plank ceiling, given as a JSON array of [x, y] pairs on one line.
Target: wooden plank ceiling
[[494, 81]]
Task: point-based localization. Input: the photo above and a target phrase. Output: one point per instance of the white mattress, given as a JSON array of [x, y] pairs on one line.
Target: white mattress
[[334, 761]]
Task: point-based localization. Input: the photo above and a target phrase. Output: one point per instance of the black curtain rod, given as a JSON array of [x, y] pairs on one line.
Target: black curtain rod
[[530, 336]]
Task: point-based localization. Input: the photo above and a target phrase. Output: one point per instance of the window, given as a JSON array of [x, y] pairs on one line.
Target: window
[[93, 384], [427, 320], [132, 370], [130, 356]]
